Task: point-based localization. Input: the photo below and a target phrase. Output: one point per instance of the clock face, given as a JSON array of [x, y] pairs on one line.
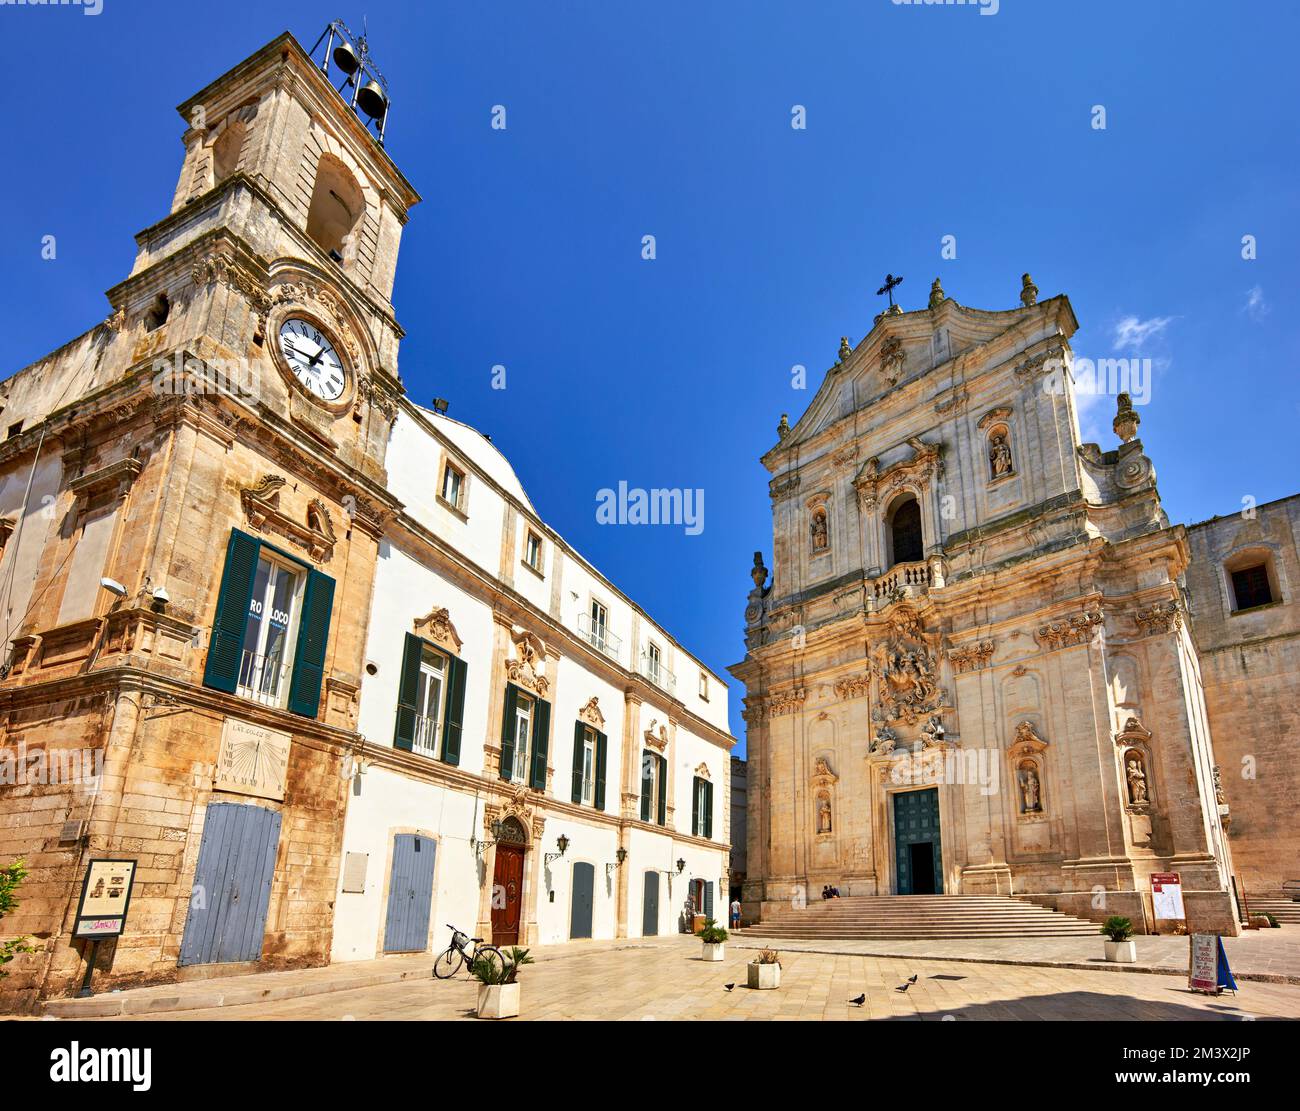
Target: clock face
[[312, 358]]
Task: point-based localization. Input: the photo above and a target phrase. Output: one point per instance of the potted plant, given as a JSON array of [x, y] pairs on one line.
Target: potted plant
[[498, 990], [714, 938], [1119, 948], [765, 970]]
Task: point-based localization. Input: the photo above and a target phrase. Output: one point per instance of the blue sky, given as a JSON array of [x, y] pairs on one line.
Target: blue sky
[[673, 120]]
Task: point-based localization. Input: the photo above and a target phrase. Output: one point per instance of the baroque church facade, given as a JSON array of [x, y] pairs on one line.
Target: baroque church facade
[[974, 669], [298, 650]]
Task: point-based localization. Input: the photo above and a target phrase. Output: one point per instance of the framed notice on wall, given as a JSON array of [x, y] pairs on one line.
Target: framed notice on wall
[[1167, 895], [105, 898]]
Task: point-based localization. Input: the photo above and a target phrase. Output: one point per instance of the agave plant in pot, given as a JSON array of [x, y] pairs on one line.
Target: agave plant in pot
[[715, 940], [1119, 948], [765, 970], [498, 983]]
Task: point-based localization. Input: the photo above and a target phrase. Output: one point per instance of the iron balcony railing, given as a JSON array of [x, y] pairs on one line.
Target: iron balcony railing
[[599, 637], [659, 675], [427, 732], [261, 678]]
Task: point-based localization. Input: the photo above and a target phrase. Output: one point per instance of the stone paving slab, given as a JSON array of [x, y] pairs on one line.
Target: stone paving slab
[[1265, 956], [668, 981]]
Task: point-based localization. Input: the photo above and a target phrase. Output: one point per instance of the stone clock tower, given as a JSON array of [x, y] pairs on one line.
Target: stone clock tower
[[192, 496]]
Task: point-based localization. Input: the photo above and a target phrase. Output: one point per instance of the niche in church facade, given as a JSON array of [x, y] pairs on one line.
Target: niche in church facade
[[819, 524], [1137, 781], [996, 426], [1027, 765], [822, 786]]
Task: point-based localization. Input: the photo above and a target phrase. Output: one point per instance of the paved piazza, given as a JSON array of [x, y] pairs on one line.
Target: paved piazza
[[665, 980]]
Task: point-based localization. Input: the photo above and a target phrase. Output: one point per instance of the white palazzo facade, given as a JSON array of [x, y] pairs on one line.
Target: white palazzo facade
[[541, 761]]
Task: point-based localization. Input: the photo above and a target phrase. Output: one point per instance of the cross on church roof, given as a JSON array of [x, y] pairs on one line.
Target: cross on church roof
[[891, 283]]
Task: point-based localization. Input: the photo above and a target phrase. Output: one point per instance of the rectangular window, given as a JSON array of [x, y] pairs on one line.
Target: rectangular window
[[588, 766], [523, 731], [453, 484], [270, 629], [654, 663], [599, 625], [704, 686], [428, 701], [702, 816], [1250, 587], [533, 551]]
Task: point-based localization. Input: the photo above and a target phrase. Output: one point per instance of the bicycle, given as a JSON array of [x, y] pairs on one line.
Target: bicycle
[[458, 954]]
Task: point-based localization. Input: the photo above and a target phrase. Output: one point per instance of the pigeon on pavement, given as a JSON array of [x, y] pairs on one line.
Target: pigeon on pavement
[[904, 987], [859, 1000], [729, 986]]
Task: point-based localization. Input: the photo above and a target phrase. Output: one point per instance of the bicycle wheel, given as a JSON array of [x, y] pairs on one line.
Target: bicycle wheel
[[493, 954], [448, 963]]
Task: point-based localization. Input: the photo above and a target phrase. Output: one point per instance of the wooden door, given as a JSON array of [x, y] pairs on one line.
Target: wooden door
[[410, 894], [507, 894], [232, 885], [583, 898]]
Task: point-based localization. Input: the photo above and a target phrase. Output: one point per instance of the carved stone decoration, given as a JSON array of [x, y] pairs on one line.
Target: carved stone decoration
[[1219, 796], [1027, 738], [436, 626], [824, 816], [883, 742], [1132, 733], [1028, 291], [379, 398], [1163, 617], [590, 713], [892, 359], [819, 524], [972, 657], [844, 456], [1027, 766], [1031, 792], [1135, 777], [854, 686], [846, 349], [703, 771], [822, 776], [1126, 419], [937, 296], [514, 805], [1077, 629], [261, 503], [221, 268], [867, 481], [783, 428], [905, 669], [524, 668], [1000, 465], [933, 734], [657, 740], [787, 702], [1051, 361]]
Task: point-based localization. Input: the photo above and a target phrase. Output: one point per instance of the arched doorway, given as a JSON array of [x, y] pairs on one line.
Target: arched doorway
[[906, 544], [508, 882]]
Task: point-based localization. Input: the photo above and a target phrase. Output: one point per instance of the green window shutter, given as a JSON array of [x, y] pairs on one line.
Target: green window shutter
[[578, 730], [313, 637], [541, 743], [453, 714], [226, 647], [601, 741], [708, 810], [647, 783], [663, 790], [408, 684], [708, 899], [508, 731], [695, 806]]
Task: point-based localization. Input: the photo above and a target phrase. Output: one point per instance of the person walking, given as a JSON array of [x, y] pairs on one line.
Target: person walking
[[735, 914]]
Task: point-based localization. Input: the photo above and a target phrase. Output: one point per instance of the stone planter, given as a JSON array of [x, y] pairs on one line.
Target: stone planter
[[1121, 952], [498, 1001], [715, 952], [764, 976]]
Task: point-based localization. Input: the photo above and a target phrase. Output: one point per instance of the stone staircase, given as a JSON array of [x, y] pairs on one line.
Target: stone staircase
[[1286, 911], [888, 917]]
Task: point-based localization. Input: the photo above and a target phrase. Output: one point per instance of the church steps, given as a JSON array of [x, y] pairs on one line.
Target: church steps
[[918, 916], [1284, 910]]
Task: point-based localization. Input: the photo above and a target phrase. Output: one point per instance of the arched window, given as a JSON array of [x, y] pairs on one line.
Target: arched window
[[226, 151], [336, 208], [905, 541]]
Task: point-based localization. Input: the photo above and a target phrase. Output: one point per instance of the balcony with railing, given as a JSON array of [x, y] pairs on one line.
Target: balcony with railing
[[599, 637], [262, 679], [653, 669], [426, 738], [903, 580]]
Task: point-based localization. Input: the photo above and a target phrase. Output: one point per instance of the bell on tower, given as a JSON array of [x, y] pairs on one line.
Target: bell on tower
[[351, 58]]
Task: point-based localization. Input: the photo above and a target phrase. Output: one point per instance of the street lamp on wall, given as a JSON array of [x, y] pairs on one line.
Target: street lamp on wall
[[681, 865], [480, 847], [561, 843], [619, 856]]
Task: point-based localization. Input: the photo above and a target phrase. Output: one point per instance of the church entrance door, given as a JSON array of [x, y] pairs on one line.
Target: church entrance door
[[918, 854]]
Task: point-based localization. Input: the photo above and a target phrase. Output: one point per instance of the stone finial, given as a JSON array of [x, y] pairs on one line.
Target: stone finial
[[1028, 291], [758, 572], [783, 429], [937, 295], [1126, 419], [846, 349]]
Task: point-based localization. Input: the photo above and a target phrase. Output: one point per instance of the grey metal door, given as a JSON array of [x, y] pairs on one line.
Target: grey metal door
[[584, 887], [410, 894], [650, 906], [232, 885]]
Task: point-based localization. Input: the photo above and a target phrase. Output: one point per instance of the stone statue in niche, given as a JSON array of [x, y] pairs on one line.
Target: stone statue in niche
[[1031, 794], [1137, 780], [823, 813], [820, 537], [999, 455]]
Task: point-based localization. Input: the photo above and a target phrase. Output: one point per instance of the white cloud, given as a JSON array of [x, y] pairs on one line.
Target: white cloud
[[1132, 332], [1256, 307]]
